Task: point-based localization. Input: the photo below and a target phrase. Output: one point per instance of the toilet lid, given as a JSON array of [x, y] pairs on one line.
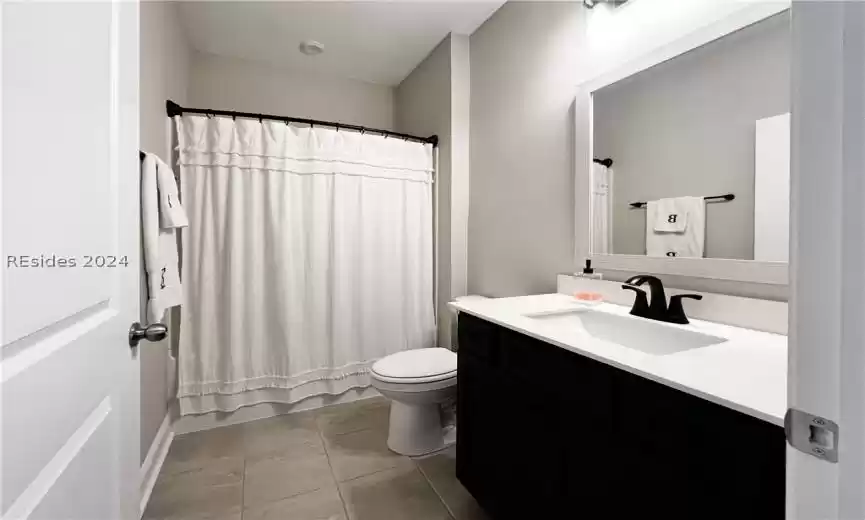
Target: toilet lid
[[422, 363]]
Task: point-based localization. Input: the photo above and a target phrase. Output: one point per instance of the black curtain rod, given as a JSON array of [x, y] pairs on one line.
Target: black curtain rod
[[606, 162], [713, 198], [173, 109]]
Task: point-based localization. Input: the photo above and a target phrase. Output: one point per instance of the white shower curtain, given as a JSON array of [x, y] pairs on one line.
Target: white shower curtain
[[601, 211], [307, 257]]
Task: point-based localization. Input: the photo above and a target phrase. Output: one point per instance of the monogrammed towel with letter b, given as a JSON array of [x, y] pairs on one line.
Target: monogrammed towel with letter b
[[676, 227]]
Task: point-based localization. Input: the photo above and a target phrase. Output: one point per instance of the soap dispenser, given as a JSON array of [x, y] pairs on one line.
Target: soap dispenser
[[588, 272]]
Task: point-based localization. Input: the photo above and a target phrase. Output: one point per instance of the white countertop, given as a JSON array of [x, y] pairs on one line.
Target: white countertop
[[747, 373]]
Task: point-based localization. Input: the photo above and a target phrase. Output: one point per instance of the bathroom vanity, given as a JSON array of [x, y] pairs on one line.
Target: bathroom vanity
[[554, 423]]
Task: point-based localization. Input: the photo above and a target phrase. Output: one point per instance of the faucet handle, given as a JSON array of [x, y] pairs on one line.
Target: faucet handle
[[641, 303], [675, 312]]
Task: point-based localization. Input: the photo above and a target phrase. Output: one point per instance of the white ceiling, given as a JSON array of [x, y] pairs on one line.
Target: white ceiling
[[379, 42]]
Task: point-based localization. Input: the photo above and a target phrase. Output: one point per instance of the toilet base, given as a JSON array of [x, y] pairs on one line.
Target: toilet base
[[416, 429]]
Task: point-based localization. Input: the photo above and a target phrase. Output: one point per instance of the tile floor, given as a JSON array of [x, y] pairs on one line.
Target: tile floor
[[329, 464]]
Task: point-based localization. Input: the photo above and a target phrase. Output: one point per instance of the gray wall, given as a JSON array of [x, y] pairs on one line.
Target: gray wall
[[434, 99], [460, 161], [686, 127], [525, 63], [165, 60], [246, 86]]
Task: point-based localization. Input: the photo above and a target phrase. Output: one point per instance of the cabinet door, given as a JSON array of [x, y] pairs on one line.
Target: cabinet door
[[536, 458], [565, 401], [480, 441], [652, 449], [484, 416], [511, 430], [681, 456], [739, 463]]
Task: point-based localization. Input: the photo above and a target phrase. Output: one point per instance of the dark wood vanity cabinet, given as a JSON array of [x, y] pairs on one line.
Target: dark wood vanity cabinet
[[547, 433]]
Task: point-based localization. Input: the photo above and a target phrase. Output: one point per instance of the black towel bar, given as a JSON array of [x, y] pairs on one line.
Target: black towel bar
[[713, 198]]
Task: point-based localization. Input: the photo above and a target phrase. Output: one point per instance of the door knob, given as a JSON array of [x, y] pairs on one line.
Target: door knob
[[154, 332]]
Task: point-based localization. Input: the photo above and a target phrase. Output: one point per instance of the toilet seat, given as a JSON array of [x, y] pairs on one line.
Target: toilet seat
[[424, 365]]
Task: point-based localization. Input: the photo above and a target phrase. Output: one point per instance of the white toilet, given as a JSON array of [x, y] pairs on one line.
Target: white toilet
[[417, 382]]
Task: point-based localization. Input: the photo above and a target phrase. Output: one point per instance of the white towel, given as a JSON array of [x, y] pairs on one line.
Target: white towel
[[171, 212], [688, 243], [601, 218], [160, 243], [671, 215]]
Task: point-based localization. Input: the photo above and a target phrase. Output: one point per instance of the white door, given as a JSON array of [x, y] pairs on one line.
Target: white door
[[827, 254], [68, 378]]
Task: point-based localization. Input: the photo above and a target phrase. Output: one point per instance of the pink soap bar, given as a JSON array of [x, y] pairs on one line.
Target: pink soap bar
[[588, 296]]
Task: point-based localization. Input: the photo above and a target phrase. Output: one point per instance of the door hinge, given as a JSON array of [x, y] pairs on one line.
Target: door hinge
[[811, 434]]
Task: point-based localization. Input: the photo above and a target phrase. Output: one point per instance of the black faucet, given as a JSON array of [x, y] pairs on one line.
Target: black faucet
[[656, 309]]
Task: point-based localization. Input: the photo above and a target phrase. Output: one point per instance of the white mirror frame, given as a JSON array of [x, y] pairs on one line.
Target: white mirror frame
[[773, 273]]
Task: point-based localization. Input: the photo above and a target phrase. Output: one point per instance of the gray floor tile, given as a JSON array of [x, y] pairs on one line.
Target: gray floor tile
[[211, 490], [440, 471], [361, 453], [279, 469], [351, 417], [293, 473], [281, 435], [397, 494], [190, 449], [323, 504], [233, 514]]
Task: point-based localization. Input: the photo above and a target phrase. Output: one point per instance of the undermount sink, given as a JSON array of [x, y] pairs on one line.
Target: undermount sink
[[640, 334]]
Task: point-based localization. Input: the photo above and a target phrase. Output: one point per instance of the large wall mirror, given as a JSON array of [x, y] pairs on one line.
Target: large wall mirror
[[690, 159]]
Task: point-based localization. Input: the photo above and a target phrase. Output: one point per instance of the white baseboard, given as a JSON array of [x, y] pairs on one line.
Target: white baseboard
[[153, 462]]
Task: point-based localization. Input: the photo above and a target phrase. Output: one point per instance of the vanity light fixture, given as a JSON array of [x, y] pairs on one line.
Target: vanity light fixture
[[311, 47], [592, 3]]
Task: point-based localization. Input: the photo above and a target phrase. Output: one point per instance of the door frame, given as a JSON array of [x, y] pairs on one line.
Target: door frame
[[827, 251]]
